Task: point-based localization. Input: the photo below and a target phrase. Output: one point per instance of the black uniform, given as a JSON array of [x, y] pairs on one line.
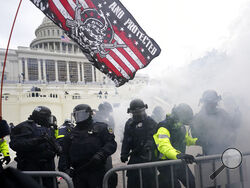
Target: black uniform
[[215, 131], [63, 131], [138, 143], [104, 117], [33, 151], [87, 142]]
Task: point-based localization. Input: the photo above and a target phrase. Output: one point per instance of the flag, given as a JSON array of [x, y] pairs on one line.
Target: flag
[[106, 33], [65, 38]]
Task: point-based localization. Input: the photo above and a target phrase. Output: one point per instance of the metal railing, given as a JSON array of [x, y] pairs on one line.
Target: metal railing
[[199, 178], [53, 174]]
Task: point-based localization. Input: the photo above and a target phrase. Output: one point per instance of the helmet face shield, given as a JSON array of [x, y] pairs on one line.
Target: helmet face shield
[[81, 115], [138, 114], [51, 120]]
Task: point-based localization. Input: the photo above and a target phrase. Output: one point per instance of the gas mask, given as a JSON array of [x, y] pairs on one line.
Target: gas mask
[[139, 115]]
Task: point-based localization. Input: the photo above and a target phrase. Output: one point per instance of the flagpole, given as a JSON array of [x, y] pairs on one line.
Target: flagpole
[[5, 58]]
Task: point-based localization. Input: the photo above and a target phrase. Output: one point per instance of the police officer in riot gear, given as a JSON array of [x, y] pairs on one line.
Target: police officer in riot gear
[[34, 143], [64, 130], [158, 114], [86, 149], [4, 148], [138, 143], [213, 126], [171, 139], [104, 114]]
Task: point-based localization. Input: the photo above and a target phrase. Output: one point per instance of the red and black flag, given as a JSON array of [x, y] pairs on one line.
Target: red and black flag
[[107, 34]]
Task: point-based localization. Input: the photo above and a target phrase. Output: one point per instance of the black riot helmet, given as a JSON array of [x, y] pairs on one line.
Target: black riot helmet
[[183, 113], [105, 106], [108, 107], [82, 112], [4, 128], [210, 96], [42, 116], [137, 109]]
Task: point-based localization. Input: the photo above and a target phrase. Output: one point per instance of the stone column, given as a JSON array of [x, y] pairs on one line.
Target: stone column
[[26, 74], [83, 72], [20, 70], [44, 71], [54, 44], [67, 48], [78, 71], [56, 71], [67, 66], [39, 70], [60, 47]]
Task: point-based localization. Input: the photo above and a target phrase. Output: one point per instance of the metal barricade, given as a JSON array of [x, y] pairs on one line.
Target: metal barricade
[[53, 174], [199, 177]]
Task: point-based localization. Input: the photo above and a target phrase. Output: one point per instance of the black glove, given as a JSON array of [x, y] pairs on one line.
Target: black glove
[[97, 160], [6, 159], [189, 159], [124, 158]]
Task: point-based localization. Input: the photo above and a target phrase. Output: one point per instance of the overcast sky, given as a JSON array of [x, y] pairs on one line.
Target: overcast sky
[[185, 30]]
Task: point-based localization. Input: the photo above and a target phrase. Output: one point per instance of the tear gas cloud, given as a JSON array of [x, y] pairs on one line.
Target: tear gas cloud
[[225, 70]]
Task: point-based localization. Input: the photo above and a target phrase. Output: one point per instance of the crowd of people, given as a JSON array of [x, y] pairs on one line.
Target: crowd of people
[[85, 147]]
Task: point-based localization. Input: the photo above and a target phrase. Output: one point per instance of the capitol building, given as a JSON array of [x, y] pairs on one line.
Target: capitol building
[[54, 72]]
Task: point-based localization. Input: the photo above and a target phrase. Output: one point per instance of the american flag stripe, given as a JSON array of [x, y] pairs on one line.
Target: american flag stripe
[[83, 3], [63, 11], [90, 4], [126, 62], [68, 8], [120, 62], [129, 51], [133, 48], [58, 13], [72, 4], [129, 58], [107, 63], [118, 68]]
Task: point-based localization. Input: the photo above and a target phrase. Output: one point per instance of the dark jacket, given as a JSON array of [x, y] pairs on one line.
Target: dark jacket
[[138, 140], [215, 131], [83, 142], [26, 139]]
